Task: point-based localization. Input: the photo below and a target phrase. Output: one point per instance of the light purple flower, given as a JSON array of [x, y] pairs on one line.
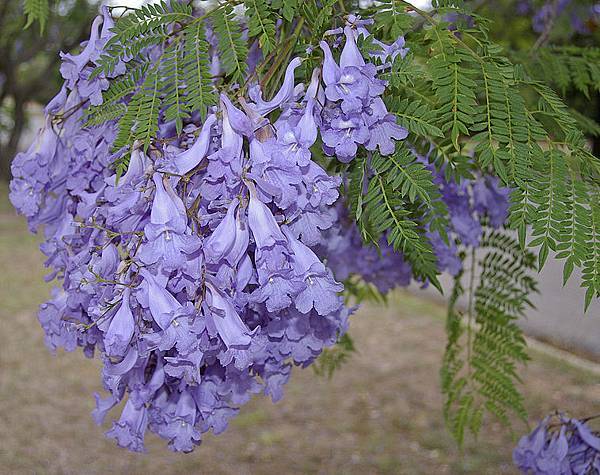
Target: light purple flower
[[121, 328]]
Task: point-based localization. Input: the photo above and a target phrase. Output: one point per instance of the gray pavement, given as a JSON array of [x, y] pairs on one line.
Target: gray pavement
[[558, 317]]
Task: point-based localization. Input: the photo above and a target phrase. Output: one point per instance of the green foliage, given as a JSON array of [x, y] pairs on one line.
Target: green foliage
[[332, 358], [485, 345], [200, 93], [388, 214], [409, 177], [415, 116], [261, 24], [172, 85], [486, 107], [317, 16], [232, 47], [146, 26], [391, 18], [36, 10], [453, 86], [566, 67], [591, 264], [289, 9], [447, 3], [357, 291], [140, 122], [180, 81]]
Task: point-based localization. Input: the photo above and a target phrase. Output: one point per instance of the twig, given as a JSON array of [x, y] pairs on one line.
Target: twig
[[545, 36]]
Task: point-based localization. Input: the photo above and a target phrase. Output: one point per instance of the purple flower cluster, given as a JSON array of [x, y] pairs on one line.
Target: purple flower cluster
[[559, 445], [354, 113], [206, 271], [193, 275]]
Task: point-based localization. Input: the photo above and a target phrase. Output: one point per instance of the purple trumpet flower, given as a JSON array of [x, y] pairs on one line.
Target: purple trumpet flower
[[179, 424], [321, 291], [229, 240], [297, 140], [167, 241], [284, 95], [191, 158], [225, 320], [72, 65], [265, 229], [121, 328], [344, 136], [130, 429], [191, 333], [160, 301]]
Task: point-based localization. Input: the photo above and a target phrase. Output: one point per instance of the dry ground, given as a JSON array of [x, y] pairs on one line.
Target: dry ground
[[379, 414]]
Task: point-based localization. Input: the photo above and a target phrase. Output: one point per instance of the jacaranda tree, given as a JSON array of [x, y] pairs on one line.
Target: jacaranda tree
[[217, 185]]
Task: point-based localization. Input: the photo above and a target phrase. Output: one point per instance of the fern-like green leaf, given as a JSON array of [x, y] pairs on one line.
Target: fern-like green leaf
[[485, 345], [233, 50], [36, 10], [137, 31], [388, 215], [200, 93], [416, 116], [261, 24], [140, 122], [173, 87]]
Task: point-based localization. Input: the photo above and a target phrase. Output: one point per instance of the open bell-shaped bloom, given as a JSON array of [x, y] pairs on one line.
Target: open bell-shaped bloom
[[297, 139], [180, 427], [167, 241], [381, 134], [178, 333], [321, 291], [344, 136], [345, 82], [130, 429]]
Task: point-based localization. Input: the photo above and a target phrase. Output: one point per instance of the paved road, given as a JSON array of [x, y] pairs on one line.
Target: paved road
[[558, 317]]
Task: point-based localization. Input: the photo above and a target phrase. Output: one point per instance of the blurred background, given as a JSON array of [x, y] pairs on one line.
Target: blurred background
[[380, 413]]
